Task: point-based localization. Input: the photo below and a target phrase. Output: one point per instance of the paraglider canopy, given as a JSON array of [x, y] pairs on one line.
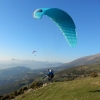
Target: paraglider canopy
[[62, 20], [34, 51], [13, 60]]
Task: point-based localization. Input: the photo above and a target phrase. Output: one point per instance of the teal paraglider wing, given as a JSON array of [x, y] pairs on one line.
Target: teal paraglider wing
[[62, 20]]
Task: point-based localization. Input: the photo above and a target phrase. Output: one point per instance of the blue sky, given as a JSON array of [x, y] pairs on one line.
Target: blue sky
[[20, 33]]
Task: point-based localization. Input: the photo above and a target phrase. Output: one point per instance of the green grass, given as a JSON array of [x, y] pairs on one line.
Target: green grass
[[81, 89]]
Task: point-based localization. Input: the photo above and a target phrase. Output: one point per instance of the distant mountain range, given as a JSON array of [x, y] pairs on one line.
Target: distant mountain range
[[39, 65], [28, 63], [13, 71], [19, 73], [93, 59]]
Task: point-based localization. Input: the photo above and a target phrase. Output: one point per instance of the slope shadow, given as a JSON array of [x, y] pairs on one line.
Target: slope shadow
[[95, 91]]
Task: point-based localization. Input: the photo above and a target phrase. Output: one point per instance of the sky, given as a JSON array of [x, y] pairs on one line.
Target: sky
[[21, 34]]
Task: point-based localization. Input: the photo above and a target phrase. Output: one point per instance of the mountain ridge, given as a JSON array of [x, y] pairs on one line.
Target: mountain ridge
[[28, 63], [86, 60]]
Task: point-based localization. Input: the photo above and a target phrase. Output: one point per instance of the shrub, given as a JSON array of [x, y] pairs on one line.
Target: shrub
[[1, 97], [14, 93], [24, 88], [36, 84], [94, 74], [5, 97], [20, 91], [12, 97]]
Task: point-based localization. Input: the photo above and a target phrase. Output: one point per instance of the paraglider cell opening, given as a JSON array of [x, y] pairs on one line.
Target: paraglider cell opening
[[39, 10]]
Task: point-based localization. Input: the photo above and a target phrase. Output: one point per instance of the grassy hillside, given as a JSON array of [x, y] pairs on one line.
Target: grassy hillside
[[81, 89], [77, 72]]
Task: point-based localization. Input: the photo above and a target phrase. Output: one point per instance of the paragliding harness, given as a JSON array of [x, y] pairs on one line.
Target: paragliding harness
[[50, 75]]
